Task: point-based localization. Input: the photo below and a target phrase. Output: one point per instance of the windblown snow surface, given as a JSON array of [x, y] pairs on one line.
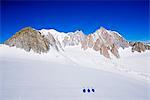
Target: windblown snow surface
[[63, 75]]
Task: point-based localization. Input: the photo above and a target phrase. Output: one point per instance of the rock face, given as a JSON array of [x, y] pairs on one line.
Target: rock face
[[53, 42], [147, 47], [29, 39], [139, 46], [114, 51], [104, 51], [73, 39], [103, 41]]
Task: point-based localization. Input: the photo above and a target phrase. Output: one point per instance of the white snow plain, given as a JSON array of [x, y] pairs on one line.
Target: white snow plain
[[63, 75]]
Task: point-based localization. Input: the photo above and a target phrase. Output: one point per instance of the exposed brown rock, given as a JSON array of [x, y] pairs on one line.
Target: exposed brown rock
[[138, 46], [119, 41], [29, 39], [52, 41], [131, 43], [103, 40], [84, 45], [90, 41], [104, 51], [73, 38], [147, 47], [114, 51], [97, 45]]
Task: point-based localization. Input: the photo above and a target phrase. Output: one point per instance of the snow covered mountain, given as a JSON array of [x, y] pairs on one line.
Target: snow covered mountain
[[101, 41], [104, 41], [59, 66]]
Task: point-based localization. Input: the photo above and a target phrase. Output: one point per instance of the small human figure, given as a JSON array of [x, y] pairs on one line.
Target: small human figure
[[93, 90], [84, 90], [88, 90]]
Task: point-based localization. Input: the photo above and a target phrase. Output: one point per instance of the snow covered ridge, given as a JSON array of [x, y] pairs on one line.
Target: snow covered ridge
[[104, 41]]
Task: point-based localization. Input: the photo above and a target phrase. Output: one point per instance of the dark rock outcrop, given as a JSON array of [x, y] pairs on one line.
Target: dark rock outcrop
[[29, 39], [139, 46], [147, 47]]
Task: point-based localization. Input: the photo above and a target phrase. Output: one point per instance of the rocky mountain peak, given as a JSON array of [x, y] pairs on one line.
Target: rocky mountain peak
[[29, 39]]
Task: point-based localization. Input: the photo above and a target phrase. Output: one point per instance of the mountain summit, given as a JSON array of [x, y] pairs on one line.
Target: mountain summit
[[104, 41]]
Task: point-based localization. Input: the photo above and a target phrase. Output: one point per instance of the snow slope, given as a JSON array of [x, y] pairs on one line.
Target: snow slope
[[63, 75], [56, 34]]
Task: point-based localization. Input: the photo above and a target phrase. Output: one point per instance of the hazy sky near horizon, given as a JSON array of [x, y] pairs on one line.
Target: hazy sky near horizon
[[129, 17]]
